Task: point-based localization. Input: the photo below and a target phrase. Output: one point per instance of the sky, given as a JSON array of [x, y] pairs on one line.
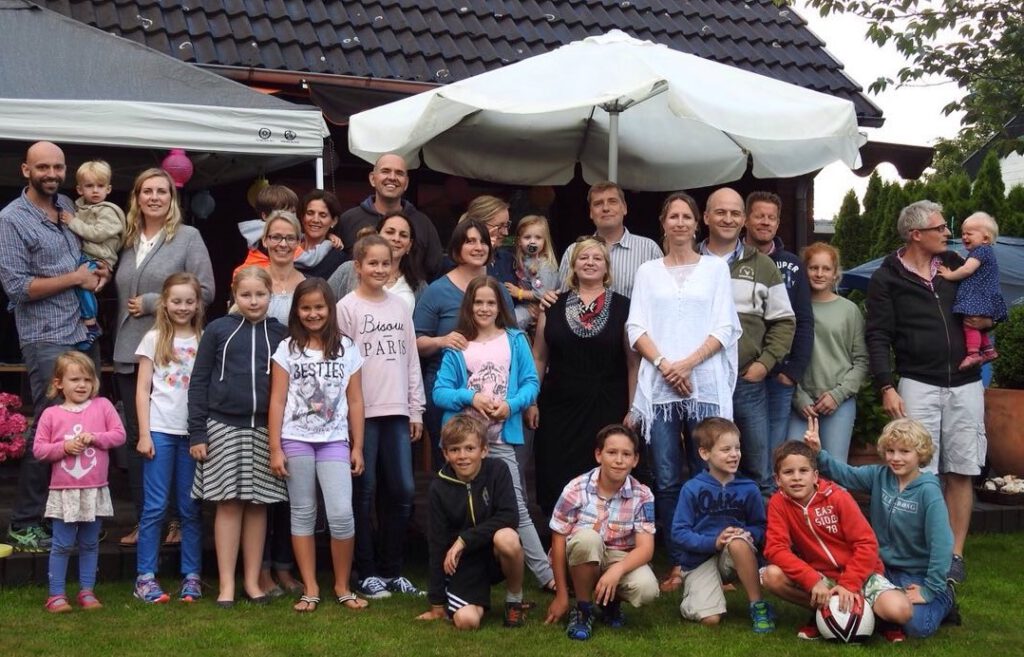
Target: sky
[[913, 115]]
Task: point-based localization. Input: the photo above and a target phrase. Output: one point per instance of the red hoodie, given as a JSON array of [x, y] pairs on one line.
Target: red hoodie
[[830, 537]]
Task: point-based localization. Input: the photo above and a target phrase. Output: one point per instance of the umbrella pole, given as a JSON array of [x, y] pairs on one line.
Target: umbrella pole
[[613, 145], [319, 173]]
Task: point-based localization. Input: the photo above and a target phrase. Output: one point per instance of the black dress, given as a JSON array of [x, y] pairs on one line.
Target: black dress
[[585, 389]]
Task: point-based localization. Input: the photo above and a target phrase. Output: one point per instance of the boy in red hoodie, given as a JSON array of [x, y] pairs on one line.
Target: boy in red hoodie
[[819, 545]]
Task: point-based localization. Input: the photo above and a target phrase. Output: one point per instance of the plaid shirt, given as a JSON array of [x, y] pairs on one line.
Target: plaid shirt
[[629, 511], [32, 246]]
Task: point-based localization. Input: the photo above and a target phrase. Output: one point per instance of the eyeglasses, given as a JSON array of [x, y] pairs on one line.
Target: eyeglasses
[[507, 225], [941, 227], [277, 239], [596, 238]]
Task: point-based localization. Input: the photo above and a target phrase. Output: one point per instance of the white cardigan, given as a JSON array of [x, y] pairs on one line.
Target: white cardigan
[[678, 319]]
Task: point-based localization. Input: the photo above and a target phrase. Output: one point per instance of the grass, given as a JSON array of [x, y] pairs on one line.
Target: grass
[[126, 627]]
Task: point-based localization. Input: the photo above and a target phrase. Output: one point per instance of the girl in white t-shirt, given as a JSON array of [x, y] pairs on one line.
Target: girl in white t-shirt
[[166, 355], [316, 434], [380, 323]]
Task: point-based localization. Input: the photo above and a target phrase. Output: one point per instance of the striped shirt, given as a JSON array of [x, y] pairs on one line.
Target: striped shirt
[[627, 255], [617, 519], [33, 246]]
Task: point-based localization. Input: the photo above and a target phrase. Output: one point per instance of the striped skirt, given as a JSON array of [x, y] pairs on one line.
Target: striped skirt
[[237, 467]]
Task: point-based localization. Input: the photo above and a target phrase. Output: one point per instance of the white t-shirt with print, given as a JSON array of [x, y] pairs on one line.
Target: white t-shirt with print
[[168, 399], [317, 406]]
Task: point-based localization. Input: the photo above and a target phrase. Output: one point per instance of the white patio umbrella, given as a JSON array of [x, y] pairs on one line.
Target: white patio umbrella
[[686, 121]]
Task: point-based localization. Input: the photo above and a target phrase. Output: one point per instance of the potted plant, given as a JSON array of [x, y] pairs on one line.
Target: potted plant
[[1004, 399]]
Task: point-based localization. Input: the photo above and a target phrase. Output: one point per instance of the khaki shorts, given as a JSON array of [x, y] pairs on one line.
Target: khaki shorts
[[637, 587], [702, 586], [874, 586], [955, 418]]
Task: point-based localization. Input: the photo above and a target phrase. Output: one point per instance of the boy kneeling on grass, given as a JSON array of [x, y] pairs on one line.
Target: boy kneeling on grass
[[718, 524], [473, 541], [603, 533], [819, 545]]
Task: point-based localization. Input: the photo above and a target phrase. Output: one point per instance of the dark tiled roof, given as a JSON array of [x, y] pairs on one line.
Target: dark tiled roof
[[447, 40]]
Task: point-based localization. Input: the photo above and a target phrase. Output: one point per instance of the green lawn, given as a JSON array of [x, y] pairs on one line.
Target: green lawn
[[992, 623]]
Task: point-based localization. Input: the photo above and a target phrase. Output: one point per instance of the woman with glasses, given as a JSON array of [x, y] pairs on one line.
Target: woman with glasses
[[280, 235], [157, 244], [587, 370]]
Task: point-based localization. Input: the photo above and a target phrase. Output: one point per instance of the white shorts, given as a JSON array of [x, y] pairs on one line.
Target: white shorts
[[955, 418]]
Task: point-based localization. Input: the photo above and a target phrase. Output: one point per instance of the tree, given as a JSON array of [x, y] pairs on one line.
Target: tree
[[954, 194], [848, 224], [989, 193], [887, 237], [977, 44]]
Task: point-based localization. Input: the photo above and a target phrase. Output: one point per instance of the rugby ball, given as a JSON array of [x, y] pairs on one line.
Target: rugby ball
[[853, 626]]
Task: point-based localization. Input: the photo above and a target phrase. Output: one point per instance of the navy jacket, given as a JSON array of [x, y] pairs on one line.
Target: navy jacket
[[799, 290]]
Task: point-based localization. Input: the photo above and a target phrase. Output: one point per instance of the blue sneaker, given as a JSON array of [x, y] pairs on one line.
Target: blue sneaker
[[404, 586], [191, 588], [762, 617], [373, 588], [581, 623], [612, 615], [148, 590]]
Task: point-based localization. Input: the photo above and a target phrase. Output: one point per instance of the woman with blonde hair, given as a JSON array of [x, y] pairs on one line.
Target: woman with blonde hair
[[157, 244]]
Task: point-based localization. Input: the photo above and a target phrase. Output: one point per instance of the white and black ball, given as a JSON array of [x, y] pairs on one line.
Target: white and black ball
[[853, 626]]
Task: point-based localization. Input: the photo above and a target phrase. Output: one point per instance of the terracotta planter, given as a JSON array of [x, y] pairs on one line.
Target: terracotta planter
[[1004, 426]]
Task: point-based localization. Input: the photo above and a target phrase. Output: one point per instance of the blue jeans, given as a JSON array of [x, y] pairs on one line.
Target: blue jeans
[[835, 430], [170, 463], [665, 459], [33, 474], [387, 451], [927, 617], [87, 305], [750, 413], [780, 405], [66, 537]]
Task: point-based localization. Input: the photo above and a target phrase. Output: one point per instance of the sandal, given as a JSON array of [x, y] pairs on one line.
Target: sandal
[[352, 601], [87, 600], [57, 604], [310, 602], [672, 582], [173, 533], [131, 539]]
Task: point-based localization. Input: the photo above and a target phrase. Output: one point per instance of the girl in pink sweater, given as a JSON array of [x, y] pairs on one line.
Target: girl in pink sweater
[[75, 436]]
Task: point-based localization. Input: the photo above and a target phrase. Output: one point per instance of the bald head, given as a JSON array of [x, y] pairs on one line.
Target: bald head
[[389, 180], [44, 169], [724, 216]]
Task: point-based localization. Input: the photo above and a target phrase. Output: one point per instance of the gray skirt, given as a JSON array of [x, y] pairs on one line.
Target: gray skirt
[[237, 467]]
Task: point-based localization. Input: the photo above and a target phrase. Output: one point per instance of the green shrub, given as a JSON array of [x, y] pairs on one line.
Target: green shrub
[[1008, 369]]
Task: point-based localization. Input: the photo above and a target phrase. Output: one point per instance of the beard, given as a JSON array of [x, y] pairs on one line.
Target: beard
[[42, 185]]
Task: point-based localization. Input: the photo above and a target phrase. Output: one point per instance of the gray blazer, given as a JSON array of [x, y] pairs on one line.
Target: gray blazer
[[185, 252]]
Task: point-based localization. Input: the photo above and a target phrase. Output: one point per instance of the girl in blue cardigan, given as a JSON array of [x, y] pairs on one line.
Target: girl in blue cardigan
[[495, 379]]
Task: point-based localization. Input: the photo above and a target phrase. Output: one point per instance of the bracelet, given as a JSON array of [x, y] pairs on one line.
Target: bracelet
[[886, 389]]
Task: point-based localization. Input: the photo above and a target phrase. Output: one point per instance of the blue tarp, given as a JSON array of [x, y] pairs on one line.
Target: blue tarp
[[1009, 253]]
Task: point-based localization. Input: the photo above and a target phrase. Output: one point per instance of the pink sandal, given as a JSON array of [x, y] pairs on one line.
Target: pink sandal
[[88, 600], [57, 604]]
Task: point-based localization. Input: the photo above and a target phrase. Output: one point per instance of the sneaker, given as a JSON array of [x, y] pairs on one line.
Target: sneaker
[[191, 588], [809, 632], [957, 570], [953, 615], [148, 590], [612, 615], [33, 538], [894, 634], [972, 360], [581, 623], [515, 615], [403, 586], [373, 588], [762, 618]]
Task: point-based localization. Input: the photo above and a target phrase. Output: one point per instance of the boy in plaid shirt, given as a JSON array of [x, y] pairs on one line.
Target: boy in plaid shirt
[[603, 535]]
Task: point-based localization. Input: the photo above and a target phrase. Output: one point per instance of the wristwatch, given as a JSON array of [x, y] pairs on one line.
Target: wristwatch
[[658, 361]]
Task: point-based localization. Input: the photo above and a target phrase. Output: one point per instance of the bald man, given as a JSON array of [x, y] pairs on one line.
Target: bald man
[[768, 322], [390, 180], [40, 272]]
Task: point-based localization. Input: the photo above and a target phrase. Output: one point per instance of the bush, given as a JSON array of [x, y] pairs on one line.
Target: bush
[[1008, 369]]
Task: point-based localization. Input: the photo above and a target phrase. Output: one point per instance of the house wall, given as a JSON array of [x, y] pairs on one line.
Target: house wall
[[1013, 170]]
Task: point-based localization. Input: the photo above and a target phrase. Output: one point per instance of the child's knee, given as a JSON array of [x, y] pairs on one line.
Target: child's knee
[[507, 543], [467, 618], [895, 607], [773, 579], [303, 519], [342, 526], [712, 620]]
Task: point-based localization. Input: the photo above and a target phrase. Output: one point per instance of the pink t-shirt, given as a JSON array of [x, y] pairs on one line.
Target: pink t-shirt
[[89, 468], [488, 364], [384, 335]]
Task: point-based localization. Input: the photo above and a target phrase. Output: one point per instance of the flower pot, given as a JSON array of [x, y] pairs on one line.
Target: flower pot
[[1004, 427]]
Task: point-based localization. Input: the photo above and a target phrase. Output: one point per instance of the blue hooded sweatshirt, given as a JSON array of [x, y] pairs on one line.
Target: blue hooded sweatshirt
[[912, 525], [706, 507]]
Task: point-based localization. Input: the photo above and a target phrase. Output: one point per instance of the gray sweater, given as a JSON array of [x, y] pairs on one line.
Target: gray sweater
[[186, 251]]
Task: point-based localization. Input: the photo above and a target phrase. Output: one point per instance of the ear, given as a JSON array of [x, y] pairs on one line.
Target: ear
[[597, 455], [25, 170]]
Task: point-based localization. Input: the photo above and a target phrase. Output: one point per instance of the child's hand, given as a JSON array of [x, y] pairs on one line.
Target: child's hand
[[604, 590], [825, 404], [500, 410], [514, 291], [558, 608], [198, 452], [145, 446], [436, 613], [481, 403], [808, 411], [73, 447], [85, 438], [451, 560], [355, 457], [335, 241], [725, 536], [278, 463], [944, 271], [820, 594], [531, 416], [415, 431], [846, 597], [811, 437], [914, 595]]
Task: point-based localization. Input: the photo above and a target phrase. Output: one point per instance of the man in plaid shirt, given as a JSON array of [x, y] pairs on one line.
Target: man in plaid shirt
[[603, 535]]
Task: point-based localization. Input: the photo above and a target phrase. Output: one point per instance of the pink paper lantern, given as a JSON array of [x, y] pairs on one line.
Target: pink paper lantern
[[178, 166]]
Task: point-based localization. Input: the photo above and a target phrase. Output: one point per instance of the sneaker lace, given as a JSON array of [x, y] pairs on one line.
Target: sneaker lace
[[403, 585], [148, 589], [191, 586], [373, 585]]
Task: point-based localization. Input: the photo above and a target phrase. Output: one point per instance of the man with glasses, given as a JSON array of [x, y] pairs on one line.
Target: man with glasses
[[389, 180], [626, 250], [910, 314]]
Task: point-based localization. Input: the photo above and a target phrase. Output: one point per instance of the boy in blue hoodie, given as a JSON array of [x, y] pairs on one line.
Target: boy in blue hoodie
[[909, 516], [718, 524]]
